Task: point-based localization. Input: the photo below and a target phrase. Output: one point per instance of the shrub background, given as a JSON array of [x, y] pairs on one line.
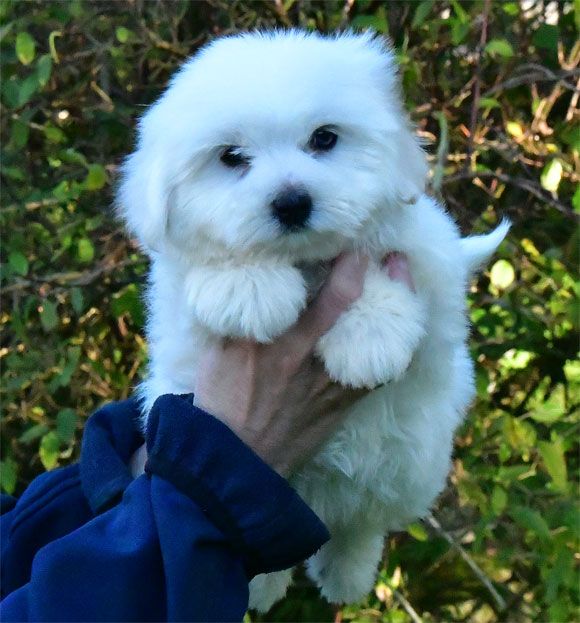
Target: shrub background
[[493, 89]]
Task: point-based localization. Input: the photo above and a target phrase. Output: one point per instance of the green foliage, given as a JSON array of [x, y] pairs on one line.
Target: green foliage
[[490, 86]]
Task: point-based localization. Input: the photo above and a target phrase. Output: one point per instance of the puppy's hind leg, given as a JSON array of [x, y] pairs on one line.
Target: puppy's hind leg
[[268, 588], [345, 568]]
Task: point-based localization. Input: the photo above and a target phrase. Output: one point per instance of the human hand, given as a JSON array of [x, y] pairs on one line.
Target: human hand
[[278, 397]]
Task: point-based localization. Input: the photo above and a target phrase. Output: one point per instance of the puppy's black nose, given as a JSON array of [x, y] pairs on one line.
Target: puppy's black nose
[[292, 207]]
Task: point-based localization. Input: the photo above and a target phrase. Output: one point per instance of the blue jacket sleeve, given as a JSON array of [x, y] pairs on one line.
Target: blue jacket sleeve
[[184, 540]]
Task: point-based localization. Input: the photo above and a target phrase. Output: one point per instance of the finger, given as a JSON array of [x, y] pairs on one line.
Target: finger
[[397, 267], [342, 288]]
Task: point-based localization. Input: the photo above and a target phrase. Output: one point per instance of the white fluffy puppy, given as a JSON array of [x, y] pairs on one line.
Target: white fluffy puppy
[[267, 156]]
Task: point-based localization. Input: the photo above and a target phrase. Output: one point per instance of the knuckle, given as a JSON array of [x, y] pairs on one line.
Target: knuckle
[[288, 365]]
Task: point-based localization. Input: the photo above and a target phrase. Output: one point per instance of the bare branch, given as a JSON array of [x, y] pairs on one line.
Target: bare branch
[[407, 607], [478, 572]]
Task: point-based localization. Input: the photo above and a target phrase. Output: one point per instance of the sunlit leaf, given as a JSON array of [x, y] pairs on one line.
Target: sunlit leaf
[[417, 531], [96, 177], [25, 48], [499, 47], [499, 500], [514, 128], [531, 520], [553, 457], [551, 175], [122, 34], [49, 450], [85, 250], [502, 274]]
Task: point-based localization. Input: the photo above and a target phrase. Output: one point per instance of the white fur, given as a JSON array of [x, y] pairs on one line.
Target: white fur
[[222, 266]]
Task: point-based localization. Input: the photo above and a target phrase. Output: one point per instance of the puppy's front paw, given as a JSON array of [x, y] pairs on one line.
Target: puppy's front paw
[[374, 341], [248, 301]]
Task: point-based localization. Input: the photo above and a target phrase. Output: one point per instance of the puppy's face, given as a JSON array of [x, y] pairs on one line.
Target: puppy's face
[[283, 143]]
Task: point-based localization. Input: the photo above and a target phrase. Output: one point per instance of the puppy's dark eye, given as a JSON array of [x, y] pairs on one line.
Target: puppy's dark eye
[[233, 157], [322, 139]]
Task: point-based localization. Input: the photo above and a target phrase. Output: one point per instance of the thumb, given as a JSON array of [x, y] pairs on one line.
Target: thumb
[[342, 288]]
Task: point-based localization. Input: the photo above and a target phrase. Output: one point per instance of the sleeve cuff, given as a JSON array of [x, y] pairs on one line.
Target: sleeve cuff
[[258, 511]]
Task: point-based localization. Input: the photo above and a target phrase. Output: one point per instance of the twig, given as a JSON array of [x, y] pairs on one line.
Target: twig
[[282, 13], [442, 151], [499, 600], [407, 607], [346, 9], [540, 74], [477, 82], [515, 181], [71, 279], [572, 108]]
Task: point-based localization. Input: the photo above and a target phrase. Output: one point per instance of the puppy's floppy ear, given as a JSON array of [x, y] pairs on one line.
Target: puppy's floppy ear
[[406, 159], [143, 197], [409, 164]]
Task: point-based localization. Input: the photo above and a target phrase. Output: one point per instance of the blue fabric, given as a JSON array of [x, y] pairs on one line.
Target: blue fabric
[[88, 543]]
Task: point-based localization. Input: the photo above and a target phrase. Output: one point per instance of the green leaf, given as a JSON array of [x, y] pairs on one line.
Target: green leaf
[[54, 134], [551, 175], [66, 423], [32, 433], [417, 531], [502, 274], [44, 69], [562, 569], [8, 475], [74, 353], [549, 412], [460, 12], [96, 177], [499, 500], [514, 128], [48, 315], [511, 8], [377, 22], [521, 435], [423, 9], [19, 134], [459, 30], [555, 463], [500, 47], [122, 34], [76, 299], [18, 263], [25, 48], [85, 250], [49, 450], [531, 520], [546, 37], [27, 89], [129, 301], [488, 103]]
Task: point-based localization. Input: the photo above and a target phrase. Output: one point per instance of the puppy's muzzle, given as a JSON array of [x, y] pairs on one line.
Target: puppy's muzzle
[[292, 208]]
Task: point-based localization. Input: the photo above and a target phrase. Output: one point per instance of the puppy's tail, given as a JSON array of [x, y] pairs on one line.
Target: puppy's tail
[[477, 250]]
